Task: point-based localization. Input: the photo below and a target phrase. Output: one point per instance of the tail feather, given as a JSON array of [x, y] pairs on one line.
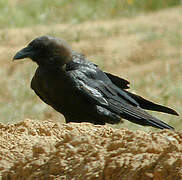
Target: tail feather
[[152, 121], [148, 105], [159, 124], [137, 115]]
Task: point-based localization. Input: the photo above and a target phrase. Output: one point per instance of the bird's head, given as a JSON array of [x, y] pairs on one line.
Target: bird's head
[[46, 50]]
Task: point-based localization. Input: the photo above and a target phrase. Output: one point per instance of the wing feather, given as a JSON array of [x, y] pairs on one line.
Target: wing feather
[[99, 90]]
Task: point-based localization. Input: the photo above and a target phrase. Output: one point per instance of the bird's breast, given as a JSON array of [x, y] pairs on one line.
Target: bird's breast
[[56, 90]]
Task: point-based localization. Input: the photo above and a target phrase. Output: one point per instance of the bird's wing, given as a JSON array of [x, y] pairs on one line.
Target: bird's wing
[[96, 87], [120, 82], [143, 103]]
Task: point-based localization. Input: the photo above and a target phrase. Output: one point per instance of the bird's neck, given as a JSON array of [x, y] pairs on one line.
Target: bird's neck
[[52, 63]]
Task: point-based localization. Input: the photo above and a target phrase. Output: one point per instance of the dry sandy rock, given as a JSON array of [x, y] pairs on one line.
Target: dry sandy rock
[[47, 150]]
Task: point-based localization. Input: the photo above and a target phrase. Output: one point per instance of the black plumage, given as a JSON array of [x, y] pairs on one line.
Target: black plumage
[[79, 90]]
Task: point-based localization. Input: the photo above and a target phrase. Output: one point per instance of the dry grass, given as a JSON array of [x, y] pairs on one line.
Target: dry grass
[[19, 13], [146, 50]]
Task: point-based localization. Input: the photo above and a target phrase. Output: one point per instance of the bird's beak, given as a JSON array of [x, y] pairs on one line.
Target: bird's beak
[[23, 53]]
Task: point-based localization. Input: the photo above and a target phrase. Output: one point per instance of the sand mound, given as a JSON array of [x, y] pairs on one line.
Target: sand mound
[[46, 150]]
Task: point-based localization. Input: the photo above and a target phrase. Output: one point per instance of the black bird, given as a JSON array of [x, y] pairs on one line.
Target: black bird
[[78, 89]]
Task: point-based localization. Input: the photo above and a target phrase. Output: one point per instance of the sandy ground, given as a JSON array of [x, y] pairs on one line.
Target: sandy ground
[[45, 150]]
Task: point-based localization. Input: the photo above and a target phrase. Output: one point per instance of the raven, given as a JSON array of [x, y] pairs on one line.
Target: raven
[[78, 89]]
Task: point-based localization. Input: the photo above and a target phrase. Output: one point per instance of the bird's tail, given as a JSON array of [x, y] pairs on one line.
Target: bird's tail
[[137, 115], [152, 121], [148, 105]]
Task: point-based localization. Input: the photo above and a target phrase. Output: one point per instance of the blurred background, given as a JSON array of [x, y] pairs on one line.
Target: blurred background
[[138, 40]]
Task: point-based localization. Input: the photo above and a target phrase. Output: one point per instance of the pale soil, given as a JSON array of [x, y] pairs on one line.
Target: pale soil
[[45, 150]]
